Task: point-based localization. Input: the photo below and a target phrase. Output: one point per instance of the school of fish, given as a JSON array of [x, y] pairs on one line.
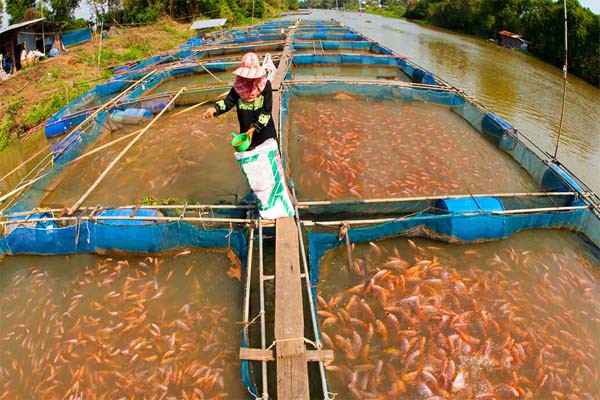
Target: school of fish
[[427, 325], [115, 330], [349, 148]]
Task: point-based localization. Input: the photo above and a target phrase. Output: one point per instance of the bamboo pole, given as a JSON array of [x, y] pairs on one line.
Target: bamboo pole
[[136, 218], [248, 283], [17, 190], [198, 105], [81, 157], [311, 305], [505, 212], [306, 204], [210, 73], [152, 207], [263, 332], [76, 206], [100, 44]]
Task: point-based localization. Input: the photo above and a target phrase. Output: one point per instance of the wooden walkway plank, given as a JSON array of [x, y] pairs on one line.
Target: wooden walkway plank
[[292, 370]]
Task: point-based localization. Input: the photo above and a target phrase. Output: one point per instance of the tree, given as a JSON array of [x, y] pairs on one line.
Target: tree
[[291, 4], [63, 9], [17, 9]]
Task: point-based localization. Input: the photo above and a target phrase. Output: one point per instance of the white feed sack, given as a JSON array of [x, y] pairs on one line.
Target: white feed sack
[[264, 172]]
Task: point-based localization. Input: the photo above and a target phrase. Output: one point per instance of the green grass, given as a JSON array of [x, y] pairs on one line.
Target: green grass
[[17, 103], [5, 126], [44, 109], [183, 35], [134, 52], [391, 13]]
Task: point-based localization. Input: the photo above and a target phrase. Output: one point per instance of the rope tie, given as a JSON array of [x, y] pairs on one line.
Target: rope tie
[[247, 324], [255, 397], [304, 340], [228, 236]]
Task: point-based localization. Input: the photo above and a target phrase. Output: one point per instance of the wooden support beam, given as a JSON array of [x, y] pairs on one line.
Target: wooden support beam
[[270, 355], [292, 370]]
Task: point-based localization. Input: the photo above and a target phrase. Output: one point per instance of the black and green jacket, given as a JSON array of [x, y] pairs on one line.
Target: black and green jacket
[[255, 113]]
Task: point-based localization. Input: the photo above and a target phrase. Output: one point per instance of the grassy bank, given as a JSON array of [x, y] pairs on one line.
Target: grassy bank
[[33, 95]]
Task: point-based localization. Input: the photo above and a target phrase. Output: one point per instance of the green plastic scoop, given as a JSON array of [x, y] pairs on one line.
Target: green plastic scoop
[[240, 142]]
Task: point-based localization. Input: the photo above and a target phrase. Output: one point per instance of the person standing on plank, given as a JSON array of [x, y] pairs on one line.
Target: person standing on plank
[[252, 95]]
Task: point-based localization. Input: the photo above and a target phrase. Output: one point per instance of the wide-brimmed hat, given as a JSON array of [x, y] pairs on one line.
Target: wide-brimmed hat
[[250, 67]]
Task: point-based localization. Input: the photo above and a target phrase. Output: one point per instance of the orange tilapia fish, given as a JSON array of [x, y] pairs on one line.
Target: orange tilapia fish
[[235, 271], [96, 336], [452, 328]]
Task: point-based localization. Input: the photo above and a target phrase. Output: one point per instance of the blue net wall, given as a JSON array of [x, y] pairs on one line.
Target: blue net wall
[[252, 38], [76, 37], [456, 228], [337, 45], [303, 59], [324, 35], [417, 75], [100, 237]]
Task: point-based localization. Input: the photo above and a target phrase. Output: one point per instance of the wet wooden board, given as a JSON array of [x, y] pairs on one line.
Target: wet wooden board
[[270, 355], [292, 370], [284, 62]]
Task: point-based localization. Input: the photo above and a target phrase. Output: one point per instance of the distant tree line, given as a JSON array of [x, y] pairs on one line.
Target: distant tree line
[[540, 21], [147, 11]]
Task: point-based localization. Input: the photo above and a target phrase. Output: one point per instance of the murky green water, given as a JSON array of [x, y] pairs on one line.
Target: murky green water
[[184, 156], [517, 318], [95, 327], [522, 90]]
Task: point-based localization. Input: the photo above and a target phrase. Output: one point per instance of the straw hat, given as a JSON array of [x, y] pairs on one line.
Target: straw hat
[[250, 67]]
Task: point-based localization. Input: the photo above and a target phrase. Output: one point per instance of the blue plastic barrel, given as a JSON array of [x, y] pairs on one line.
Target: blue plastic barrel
[[131, 116], [56, 127], [478, 226]]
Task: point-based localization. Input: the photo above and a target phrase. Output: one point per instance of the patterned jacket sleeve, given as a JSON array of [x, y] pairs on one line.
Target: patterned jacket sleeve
[[264, 115], [225, 105]]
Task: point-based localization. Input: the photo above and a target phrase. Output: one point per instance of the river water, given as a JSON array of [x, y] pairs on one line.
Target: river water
[[522, 90]]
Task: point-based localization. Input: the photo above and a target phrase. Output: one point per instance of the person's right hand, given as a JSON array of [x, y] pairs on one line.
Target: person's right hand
[[210, 112]]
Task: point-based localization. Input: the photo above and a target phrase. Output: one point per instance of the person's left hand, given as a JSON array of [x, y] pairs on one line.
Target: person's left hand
[[250, 132]]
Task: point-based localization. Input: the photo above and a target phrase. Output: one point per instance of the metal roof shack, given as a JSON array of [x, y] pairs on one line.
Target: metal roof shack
[[14, 38], [203, 24], [208, 23], [513, 40]]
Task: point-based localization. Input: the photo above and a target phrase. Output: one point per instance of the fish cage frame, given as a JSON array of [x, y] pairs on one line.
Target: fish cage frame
[[576, 207]]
